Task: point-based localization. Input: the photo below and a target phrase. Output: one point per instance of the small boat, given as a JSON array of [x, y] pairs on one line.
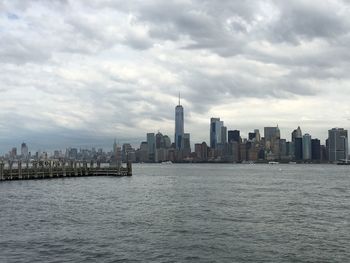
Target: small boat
[[343, 162], [274, 163], [167, 162]]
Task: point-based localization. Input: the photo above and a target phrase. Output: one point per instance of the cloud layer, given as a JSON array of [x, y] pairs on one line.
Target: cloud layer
[[83, 72]]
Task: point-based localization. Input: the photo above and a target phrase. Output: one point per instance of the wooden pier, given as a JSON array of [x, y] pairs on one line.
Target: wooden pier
[[59, 169]]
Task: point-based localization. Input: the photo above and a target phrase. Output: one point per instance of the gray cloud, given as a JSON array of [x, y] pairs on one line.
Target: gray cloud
[[304, 20], [96, 70]]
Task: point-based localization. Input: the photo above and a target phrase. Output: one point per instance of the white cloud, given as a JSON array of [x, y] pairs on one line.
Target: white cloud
[[103, 69]]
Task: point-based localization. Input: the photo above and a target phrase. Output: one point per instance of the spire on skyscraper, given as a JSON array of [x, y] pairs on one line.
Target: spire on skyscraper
[[179, 125]]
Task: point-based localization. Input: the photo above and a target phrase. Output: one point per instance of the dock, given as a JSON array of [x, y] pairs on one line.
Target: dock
[[50, 169]]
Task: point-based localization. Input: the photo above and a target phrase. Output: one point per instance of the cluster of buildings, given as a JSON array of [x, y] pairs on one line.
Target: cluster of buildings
[[23, 155], [224, 146], [68, 154], [228, 145]]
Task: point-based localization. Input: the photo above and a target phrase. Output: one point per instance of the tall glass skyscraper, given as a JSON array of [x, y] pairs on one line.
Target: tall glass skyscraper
[[179, 126], [306, 144], [215, 132]]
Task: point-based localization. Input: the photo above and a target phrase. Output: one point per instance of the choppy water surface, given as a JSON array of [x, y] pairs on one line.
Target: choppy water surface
[[181, 213]]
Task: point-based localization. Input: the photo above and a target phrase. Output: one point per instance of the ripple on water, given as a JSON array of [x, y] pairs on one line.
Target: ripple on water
[[180, 213]]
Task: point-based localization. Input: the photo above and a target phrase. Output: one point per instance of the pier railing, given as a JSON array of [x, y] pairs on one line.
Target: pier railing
[[58, 169]]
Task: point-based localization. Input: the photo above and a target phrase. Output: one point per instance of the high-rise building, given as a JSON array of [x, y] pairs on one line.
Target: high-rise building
[[337, 144], [159, 141], [117, 151], [223, 135], [24, 150], [179, 126], [126, 150], [251, 136], [13, 152], [187, 144], [234, 136], [283, 149], [151, 144], [271, 133], [201, 150], [115, 145], [298, 149], [215, 132], [290, 149], [306, 147], [257, 135], [254, 136], [234, 151], [142, 152], [167, 141], [272, 136], [315, 150], [72, 153], [296, 134]]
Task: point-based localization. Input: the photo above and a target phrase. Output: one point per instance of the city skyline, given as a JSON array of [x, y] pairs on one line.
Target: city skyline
[[300, 147], [81, 73], [224, 130]]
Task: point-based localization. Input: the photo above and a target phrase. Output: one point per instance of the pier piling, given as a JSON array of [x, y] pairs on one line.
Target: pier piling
[[59, 169]]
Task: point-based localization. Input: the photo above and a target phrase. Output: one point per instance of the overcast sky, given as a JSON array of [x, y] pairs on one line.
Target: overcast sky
[[83, 72]]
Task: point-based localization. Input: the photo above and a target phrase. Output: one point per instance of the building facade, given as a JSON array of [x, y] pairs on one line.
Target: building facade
[[337, 144], [306, 147], [179, 126], [215, 132]]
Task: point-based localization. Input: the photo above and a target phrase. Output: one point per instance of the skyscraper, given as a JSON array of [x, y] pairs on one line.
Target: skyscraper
[[215, 132], [298, 149], [257, 135], [306, 144], [24, 150], [271, 133], [272, 136], [234, 136], [315, 150], [179, 126], [251, 136], [223, 134], [186, 144], [296, 134], [337, 144], [151, 144]]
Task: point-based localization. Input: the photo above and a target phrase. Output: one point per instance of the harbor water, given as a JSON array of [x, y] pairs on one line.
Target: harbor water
[[181, 213]]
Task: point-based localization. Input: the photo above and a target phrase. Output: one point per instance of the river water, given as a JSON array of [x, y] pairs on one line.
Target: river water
[[181, 213]]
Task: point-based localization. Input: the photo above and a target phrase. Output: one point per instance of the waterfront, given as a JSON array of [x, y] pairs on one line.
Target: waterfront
[[181, 213]]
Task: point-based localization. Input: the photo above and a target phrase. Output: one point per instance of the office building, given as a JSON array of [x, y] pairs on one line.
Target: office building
[[337, 144], [257, 135], [298, 149], [315, 150], [251, 136], [167, 141], [234, 136], [272, 136], [306, 147], [186, 145], [126, 150], [142, 153], [151, 147], [24, 150], [179, 126], [215, 132], [223, 138], [271, 133], [201, 150], [296, 134]]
